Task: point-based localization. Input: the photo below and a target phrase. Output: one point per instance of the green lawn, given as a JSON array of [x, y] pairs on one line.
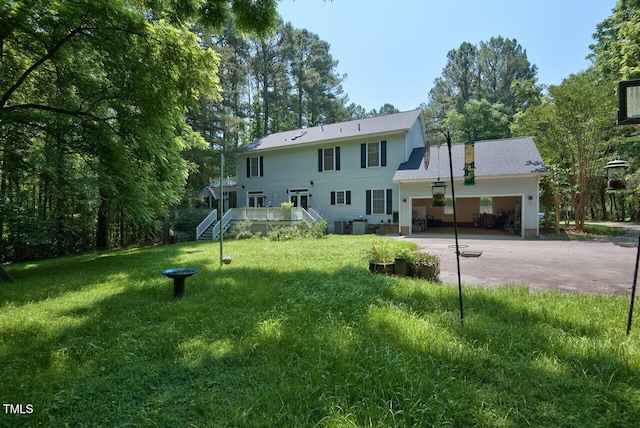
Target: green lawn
[[300, 333]]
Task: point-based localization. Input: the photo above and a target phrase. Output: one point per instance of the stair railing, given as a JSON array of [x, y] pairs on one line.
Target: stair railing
[[204, 224]]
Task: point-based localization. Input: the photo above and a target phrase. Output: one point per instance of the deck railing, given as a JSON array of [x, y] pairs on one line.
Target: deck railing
[[294, 214]]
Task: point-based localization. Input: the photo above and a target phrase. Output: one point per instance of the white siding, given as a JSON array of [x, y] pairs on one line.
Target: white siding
[[297, 167]]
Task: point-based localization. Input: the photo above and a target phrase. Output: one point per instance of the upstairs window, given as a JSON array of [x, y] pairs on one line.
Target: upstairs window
[[373, 154], [255, 167], [329, 159]]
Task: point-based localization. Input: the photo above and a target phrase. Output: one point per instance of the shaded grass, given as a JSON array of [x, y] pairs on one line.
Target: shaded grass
[[300, 333], [590, 231]]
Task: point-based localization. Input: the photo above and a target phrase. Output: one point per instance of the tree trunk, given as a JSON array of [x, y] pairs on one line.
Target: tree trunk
[[102, 232]]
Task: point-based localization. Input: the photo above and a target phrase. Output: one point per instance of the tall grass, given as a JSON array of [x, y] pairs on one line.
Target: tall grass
[[300, 333]]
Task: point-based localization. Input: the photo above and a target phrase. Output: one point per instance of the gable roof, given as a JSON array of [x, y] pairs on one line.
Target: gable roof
[[337, 131], [511, 156]]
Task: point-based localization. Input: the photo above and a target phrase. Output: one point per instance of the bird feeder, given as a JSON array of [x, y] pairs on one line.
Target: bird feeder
[[616, 171], [438, 190]]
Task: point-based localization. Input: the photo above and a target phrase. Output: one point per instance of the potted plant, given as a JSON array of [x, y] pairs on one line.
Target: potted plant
[[402, 261], [425, 265], [381, 256], [286, 210]]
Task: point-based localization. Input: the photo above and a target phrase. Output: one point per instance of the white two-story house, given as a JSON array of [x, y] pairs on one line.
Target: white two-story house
[[373, 170]]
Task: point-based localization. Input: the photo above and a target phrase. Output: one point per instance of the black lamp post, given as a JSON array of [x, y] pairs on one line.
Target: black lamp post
[[615, 182], [628, 114]]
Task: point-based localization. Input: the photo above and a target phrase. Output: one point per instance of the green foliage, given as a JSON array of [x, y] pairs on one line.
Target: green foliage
[[299, 333], [573, 129], [497, 72], [480, 120], [381, 251], [616, 53], [241, 230], [285, 233], [93, 97], [318, 229]]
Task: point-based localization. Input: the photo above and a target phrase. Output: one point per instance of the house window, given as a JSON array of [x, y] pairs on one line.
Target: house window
[[329, 159], [448, 205], [255, 166], [486, 205], [341, 197], [379, 201], [373, 154]]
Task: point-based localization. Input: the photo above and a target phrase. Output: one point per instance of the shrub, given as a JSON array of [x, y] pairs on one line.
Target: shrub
[[241, 230], [424, 264], [318, 229], [284, 233]]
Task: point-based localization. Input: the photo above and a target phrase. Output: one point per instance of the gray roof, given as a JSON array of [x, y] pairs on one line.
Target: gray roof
[[512, 156], [336, 131]]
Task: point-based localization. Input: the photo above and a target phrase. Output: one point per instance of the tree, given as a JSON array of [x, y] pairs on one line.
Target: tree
[[95, 93], [616, 52], [461, 74], [502, 63], [616, 56], [497, 71], [480, 120], [573, 128], [316, 84]]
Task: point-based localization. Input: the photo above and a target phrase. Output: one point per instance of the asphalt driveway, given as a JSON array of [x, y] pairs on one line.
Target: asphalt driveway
[[587, 266]]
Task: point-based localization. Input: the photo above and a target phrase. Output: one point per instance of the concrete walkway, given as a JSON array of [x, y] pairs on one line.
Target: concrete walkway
[[587, 266]]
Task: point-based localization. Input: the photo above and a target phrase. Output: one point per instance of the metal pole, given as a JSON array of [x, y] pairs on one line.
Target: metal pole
[[633, 287], [455, 225], [221, 203]]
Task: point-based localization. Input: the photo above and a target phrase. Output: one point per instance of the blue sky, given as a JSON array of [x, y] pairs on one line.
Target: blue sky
[[392, 51]]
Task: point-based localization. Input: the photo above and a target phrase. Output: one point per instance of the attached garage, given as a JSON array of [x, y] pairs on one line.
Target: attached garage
[[505, 195]]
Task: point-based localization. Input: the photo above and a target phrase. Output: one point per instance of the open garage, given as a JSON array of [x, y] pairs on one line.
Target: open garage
[[504, 196], [498, 213]]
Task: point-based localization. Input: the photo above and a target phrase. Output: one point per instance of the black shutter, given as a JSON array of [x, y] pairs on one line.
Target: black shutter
[[348, 197], [389, 201], [383, 153], [363, 155], [248, 167], [337, 158], [333, 198], [261, 166], [368, 202], [319, 160]]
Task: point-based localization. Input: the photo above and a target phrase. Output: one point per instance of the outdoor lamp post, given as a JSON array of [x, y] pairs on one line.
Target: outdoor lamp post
[[615, 182], [615, 174]]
